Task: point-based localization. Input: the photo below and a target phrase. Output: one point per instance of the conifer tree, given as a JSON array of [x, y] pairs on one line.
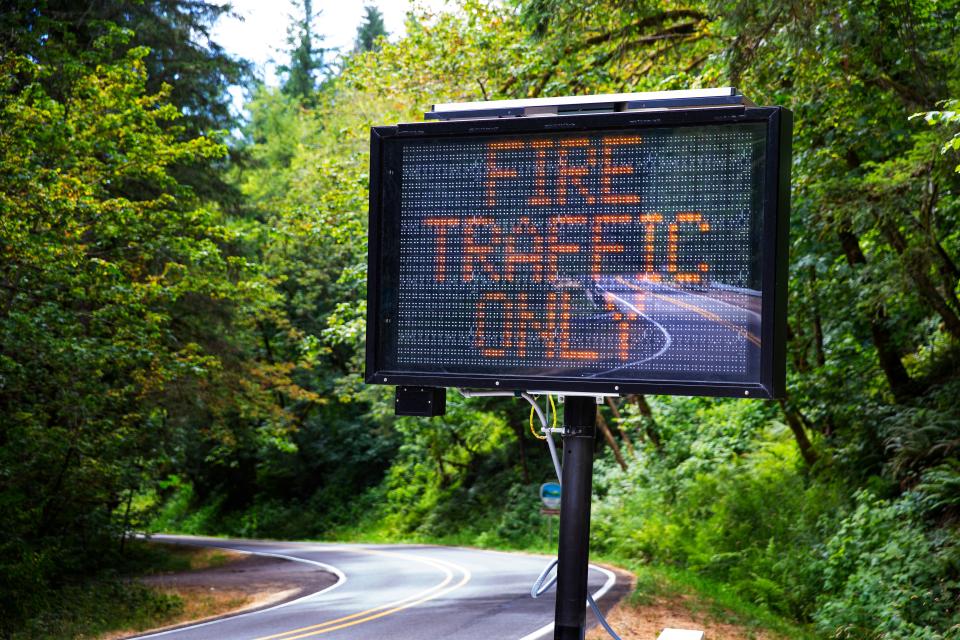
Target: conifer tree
[[370, 30], [306, 58]]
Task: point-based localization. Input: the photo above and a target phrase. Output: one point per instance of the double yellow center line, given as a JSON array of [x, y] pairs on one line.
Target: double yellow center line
[[440, 589]]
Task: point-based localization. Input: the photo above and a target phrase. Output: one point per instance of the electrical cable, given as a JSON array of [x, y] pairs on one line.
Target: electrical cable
[[541, 585], [532, 430], [553, 411]]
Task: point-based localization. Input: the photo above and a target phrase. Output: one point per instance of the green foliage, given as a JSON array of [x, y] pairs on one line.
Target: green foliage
[[885, 576], [796, 544], [89, 609], [948, 118], [745, 513], [116, 279], [173, 354], [182, 61]]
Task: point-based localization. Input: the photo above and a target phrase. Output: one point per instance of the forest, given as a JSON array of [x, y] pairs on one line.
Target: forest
[[183, 302]]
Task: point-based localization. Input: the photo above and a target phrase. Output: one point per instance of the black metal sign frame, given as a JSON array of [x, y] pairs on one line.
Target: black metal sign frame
[[384, 213]]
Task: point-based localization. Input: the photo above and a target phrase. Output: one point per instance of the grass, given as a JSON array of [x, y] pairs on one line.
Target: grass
[[160, 557], [91, 609], [198, 603], [99, 608], [704, 598]]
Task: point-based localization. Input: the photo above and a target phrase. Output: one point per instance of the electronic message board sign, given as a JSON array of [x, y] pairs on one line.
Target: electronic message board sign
[[601, 253]]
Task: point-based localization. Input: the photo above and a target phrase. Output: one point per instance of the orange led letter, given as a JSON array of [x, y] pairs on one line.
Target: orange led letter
[[479, 252], [607, 196], [623, 321], [574, 174], [673, 239], [600, 247], [441, 225], [515, 256], [565, 351], [494, 172], [556, 247], [540, 173], [480, 340], [546, 329], [520, 316], [649, 220]]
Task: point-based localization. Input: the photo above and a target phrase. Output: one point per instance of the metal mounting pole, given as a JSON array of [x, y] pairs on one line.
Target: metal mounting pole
[[579, 433]]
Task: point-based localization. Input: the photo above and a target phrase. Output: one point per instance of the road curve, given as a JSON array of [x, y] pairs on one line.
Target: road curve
[[400, 592]]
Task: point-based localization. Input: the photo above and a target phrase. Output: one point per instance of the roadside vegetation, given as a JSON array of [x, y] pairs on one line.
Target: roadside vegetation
[[114, 600], [182, 304]]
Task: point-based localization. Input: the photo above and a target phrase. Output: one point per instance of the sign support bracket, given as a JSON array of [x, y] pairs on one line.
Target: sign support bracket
[[579, 435]]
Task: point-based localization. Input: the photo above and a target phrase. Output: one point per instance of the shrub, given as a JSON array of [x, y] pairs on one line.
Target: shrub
[[886, 576]]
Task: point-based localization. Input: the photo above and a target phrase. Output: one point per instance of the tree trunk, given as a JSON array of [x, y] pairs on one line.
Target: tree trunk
[[627, 440], [916, 267], [946, 267], [126, 522], [605, 429], [795, 422], [897, 377], [799, 352], [46, 512], [819, 353], [650, 425]]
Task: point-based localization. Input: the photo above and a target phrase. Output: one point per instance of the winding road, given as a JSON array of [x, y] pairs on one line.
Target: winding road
[[400, 592]]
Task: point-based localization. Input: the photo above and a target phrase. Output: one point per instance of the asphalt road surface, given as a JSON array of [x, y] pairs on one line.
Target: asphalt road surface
[[400, 592]]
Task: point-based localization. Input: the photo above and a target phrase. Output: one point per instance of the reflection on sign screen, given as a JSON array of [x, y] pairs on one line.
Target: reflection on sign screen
[[609, 254]]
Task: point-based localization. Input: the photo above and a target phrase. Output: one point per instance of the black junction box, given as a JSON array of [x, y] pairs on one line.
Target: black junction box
[[421, 401]]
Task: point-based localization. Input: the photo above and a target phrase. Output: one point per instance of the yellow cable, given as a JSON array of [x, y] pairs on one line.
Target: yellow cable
[[532, 430], [553, 408]]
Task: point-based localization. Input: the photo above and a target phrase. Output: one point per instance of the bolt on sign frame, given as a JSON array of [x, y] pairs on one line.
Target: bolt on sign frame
[[634, 243]]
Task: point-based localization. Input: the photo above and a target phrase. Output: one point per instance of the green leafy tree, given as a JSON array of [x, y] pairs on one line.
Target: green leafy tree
[[119, 293], [183, 61]]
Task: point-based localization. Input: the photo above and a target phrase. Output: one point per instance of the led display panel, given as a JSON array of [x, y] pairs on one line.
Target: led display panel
[[603, 259]]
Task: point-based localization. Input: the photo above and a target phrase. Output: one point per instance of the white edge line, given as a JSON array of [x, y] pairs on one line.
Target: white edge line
[[669, 338], [341, 578], [659, 326], [602, 591]]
